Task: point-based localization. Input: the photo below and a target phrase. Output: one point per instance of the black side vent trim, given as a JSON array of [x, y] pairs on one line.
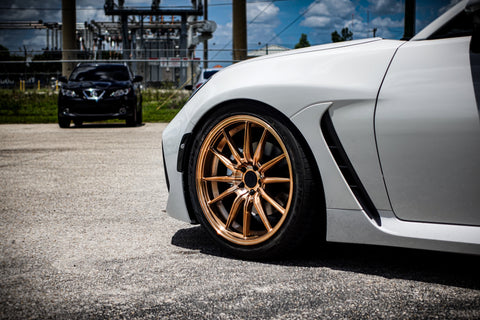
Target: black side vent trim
[[346, 168], [181, 160]]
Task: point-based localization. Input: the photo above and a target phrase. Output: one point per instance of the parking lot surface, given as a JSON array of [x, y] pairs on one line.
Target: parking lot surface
[[84, 235]]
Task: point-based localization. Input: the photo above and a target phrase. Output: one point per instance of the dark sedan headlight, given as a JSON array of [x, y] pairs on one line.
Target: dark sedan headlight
[[120, 92], [68, 93]]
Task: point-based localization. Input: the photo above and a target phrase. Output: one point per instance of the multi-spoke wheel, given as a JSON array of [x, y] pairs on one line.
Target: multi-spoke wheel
[[250, 181]]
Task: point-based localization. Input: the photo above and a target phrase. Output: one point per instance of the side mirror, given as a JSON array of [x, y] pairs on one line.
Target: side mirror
[[137, 79], [62, 79], [188, 87]]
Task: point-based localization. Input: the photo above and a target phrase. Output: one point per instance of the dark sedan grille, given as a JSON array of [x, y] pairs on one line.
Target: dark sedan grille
[[92, 107], [93, 94]]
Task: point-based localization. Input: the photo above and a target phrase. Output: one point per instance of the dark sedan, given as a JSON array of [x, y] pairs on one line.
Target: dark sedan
[[100, 92]]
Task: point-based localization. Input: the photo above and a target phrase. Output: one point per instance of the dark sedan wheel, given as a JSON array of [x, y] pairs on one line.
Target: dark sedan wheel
[[250, 182], [140, 116], [131, 121], [63, 122]]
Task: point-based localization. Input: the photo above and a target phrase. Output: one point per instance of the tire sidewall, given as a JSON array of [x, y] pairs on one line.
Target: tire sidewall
[[290, 233]]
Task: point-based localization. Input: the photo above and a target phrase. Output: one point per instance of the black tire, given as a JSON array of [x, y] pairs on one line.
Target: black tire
[[248, 214], [139, 116], [63, 122], [78, 123], [131, 121]]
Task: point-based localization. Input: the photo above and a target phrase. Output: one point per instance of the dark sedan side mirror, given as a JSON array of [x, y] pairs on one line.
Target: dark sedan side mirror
[[62, 79], [137, 79]]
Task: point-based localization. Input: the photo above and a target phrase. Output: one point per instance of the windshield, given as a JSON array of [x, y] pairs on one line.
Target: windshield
[[208, 74], [100, 73]]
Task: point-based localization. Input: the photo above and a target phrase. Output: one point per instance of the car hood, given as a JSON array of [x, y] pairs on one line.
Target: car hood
[[97, 84], [322, 47], [295, 79]]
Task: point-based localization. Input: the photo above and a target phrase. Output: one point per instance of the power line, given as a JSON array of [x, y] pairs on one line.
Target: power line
[[47, 9], [230, 3], [291, 23], [101, 8], [249, 23]]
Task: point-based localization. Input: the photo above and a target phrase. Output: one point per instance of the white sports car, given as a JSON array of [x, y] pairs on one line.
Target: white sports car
[[370, 141]]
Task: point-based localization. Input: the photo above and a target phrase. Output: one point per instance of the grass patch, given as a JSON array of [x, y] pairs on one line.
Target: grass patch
[[28, 107], [40, 106]]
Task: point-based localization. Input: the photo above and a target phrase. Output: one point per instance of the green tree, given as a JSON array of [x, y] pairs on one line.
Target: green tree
[[303, 42], [346, 35]]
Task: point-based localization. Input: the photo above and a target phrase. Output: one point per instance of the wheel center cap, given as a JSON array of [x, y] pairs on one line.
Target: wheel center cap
[[250, 179]]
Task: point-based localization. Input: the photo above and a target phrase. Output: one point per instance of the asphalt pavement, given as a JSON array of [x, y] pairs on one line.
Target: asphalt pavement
[[84, 235]]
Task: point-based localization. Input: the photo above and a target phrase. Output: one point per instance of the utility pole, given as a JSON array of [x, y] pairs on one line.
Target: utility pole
[[239, 14], [205, 42], [409, 29], [69, 20]]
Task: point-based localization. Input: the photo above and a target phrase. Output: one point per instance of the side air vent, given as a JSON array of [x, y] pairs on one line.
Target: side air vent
[[346, 168]]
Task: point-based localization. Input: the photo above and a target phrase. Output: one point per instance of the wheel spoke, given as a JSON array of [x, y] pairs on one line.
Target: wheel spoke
[[223, 159], [271, 163], [275, 180], [259, 151], [258, 205], [232, 146], [247, 207], [244, 179], [247, 152], [227, 179], [234, 210], [271, 201], [224, 194]]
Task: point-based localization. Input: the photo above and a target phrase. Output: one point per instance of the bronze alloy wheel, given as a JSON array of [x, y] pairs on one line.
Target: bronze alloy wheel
[[244, 180]]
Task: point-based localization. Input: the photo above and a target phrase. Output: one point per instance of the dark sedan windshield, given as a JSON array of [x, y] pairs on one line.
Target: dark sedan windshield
[[100, 73]]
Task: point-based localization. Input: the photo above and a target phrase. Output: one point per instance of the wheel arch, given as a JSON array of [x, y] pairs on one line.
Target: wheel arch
[[271, 111]]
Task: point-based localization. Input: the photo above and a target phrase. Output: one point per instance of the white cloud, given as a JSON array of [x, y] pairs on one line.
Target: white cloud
[[327, 13], [262, 20], [89, 13], [336, 8], [381, 7], [265, 20], [379, 22], [262, 12], [325, 16], [316, 22]]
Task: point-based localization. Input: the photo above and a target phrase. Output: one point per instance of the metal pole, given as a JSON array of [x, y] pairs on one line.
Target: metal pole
[[68, 35], [125, 42], [239, 29], [183, 49], [409, 30], [48, 38], [205, 42]]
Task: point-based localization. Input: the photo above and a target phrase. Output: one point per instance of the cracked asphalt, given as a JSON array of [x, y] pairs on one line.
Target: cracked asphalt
[[84, 235]]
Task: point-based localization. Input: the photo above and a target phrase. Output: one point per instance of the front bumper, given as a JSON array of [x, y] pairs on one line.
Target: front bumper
[[171, 142], [96, 110]]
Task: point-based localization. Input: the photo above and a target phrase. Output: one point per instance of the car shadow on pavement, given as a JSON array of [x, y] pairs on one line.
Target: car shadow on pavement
[[396, 263], [103, 125]]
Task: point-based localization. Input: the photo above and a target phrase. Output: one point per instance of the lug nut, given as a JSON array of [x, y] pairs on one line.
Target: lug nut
[[252, 192], [241, 185]]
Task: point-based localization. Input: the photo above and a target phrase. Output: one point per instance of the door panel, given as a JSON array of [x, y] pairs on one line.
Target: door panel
[[428, 133]]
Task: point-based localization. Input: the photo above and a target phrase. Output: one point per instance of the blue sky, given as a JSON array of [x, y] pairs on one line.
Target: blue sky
[[269, 22]]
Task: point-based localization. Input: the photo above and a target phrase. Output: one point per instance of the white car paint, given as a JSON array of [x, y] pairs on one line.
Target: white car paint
[[345, 80]]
